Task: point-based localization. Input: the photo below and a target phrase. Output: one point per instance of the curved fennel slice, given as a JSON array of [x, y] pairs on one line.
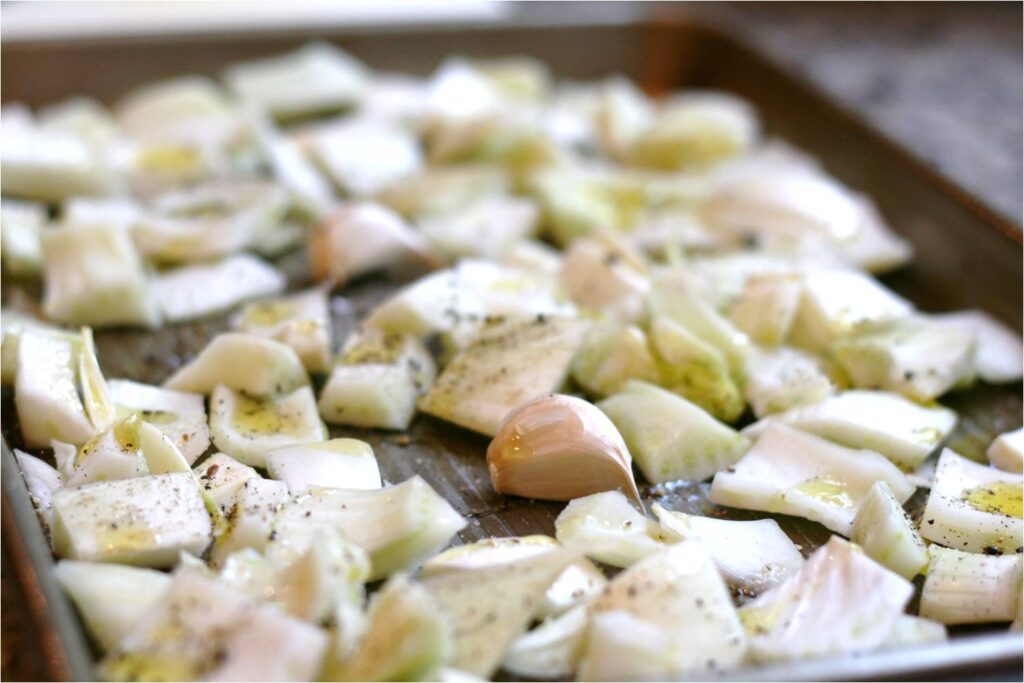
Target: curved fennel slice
[[903, 431], [46, 391], [887, 534], [791, 472], [1007, 452], [49, 166], [679, 591], [252, 511], [607, 528], [998, 358], [780, 379], [601, 273], [972, 507], [21, 225], [41, 480], [363, 156], [204, 289], [337, 463], [766, 307], [180, 415], [550, 650], [222, 477], [841, 601], [243, 362], [248, 428], [507, 366], [114, 453], [13, 324], [489, 228], [611, 355], [301, 321], [751, 556], [970, 588]]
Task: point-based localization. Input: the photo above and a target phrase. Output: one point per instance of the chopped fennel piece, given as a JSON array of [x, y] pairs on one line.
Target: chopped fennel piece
[[487, 228], [243, 362], [114, 453], [248, 428], [903, 431], [782, 378], [603, 274], [188, 110], [338, 463], [154, 166], [21, 226], [361, 238], [973, 507], [251, 515], [886, 533], [95, 277], [205, 289], [1007, 452], [222, 477], [46, 391], [840, 602], [445, 189], [791, 472], [908, 630], [315, 79], [875, 248], [311, 194], [680, 592], [80, 116], [301, 321], [915, 357], [64, 455], [346, 631], [998, 357], [179, 415], [669, 437], [364, 156], [970, 588], [607, 528], [751, 556], [406, 639], [483, 628], [399, 526], [504, 368], [766, 308], [42, 481], [51, 166], [533, 257], [112, 598], [549, 651], [578, 201], [694, 369], [611, 355], [621, 113], [621, 646], [836, 303], [14, 323], [230, 636], [144, 521], [95, 393]]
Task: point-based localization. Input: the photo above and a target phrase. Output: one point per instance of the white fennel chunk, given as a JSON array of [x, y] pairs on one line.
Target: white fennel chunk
[[144, 521], [21, 225], [248, 428], [13, 324], [765, 309], [669, 437], [909, 630], [224, 635], [407, 638], [916, 357], [41, 480], [363, 156], [607, 528], [338, 463], [970, 588], [841, 602], [243, 362], [483, 628], [837, 303], [205, 289], [112, 598], [503, 369], [489, 228], [903, 431], [46, 391], [52, 166], [95, 393], [114, 453], [601, 274], [180, 415], [95, 277], [189, 109], [222, 477], [779, 379], [679, 591], [751, 556], [250, 517], [972, 507], [998, 355], [301, 321], [399, 526], [549, 651], [791, 472], [611, 355], [620, 646], [1007, 451], [886, 533]]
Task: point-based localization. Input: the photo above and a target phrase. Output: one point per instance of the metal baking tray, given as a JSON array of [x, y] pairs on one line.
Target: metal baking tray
[[967, 257]]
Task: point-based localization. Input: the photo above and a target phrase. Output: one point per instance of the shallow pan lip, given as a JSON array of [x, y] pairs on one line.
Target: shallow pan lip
[[63, 647]]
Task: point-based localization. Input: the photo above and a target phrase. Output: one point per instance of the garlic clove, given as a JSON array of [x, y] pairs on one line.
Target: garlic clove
[[559, 448]]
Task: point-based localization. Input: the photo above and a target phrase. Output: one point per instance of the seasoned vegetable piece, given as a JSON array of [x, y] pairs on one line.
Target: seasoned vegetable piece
[[780, 379], [42, 481], [885, 532], [46, 391], [487, 228], [250, 517], [202, 290], [968, 588], [363, 156], [1007, 452], [222, 477], [114, 453], [610, 356], [998, 354], [765, 309], [181, 416], [14, 323], [243, 362], [338, 463], [301, 321], [21, 225], [48, 166], [602, 274], [606, 528], [551, 649]]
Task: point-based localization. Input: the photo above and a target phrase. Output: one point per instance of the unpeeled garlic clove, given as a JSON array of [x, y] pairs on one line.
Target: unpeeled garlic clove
[[559, 448]]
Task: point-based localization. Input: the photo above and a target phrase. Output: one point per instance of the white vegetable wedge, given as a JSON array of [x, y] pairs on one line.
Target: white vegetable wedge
[[780, 379], [910, 630], [115, 453], [610, 356], [606, 528], [205, 289], [180, 415], [765, 309], [41, 480], [363, 156], [113, 599], [222, 477], [50, 166], [21, 225], [968, 588], [144, 521], [679, 591], [751, 556], [604, 275], [14, 323], [998, 357], [887, 534], [669, 437], [338, 463], [249, 428], [1007, 452], [301, 321], [972, 507], [549, 651], [621, 646], [243, 362], [840, 602], [488, 228], [46, 391], [250, 517], [792, 472]]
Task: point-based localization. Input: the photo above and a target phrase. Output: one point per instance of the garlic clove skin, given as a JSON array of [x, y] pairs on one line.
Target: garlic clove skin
[[559, 448]]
